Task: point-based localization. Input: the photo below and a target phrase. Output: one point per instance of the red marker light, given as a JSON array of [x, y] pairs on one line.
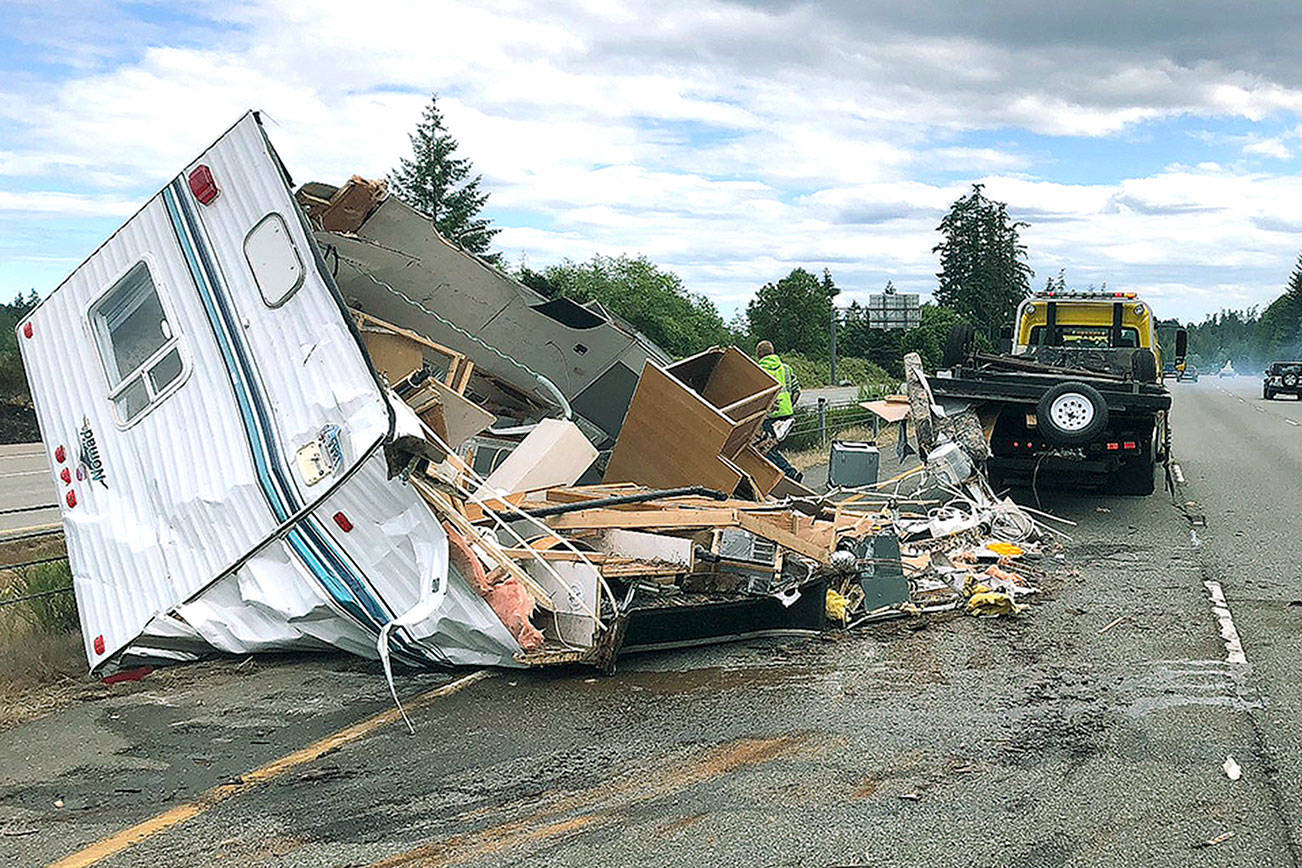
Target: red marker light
[[27, 330], [71, 499], [203, 186], [342, 520], [59, 454], [1113, 447], [1129, 444], [66, 475], [99, 644]]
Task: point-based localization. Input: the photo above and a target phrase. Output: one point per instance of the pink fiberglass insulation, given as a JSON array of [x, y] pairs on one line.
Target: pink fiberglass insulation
[[508, 599]]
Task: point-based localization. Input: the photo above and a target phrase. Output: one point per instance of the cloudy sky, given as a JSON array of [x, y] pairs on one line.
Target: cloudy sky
[[1155, 146]]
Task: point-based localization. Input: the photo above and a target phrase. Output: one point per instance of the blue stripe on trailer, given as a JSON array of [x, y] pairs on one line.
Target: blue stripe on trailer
[[309, 540]]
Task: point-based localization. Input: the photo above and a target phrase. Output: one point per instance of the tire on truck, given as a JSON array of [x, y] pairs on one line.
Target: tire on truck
[[1071, 414], [959, 346], [1143, 366]]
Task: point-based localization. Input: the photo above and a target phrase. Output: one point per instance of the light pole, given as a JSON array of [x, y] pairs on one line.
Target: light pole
[[835, 380]]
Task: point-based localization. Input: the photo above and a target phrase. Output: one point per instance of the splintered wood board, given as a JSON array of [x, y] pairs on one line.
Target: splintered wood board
[[763, 526], [575, 494]]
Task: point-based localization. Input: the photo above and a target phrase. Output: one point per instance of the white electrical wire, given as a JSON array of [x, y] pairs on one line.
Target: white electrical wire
[[493, 514]]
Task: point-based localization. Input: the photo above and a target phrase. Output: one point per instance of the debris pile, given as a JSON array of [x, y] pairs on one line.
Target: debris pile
[[350, 434], [579, 573]]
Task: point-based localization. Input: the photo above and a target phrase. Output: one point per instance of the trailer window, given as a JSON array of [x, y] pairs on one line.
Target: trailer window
[[273, 259], [136, 343]]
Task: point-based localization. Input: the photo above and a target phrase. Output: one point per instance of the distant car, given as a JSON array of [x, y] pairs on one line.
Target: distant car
[[1282, 378], [1227, 371], [1189, 373]]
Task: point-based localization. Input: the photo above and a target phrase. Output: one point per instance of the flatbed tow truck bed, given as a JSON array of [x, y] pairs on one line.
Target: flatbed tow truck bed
[[1028, 388], [1011, 395]]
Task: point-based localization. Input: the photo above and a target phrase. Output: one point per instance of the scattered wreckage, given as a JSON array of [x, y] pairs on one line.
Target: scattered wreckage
[[306, 421]]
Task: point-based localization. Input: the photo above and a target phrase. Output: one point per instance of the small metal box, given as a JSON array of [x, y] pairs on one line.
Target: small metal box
[[852, 464]]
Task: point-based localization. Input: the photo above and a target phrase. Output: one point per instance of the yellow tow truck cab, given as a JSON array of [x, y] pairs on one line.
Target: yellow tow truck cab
[[1078, 319]]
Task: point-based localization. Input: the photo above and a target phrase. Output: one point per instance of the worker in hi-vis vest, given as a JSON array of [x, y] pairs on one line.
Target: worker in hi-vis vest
[[780, 417]]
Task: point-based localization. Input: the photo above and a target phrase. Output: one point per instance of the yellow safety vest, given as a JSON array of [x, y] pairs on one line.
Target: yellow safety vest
[[778, 371]]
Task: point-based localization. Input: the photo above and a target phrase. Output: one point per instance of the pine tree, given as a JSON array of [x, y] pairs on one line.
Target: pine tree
[[1279, 331], [440, 185], [983, 274]]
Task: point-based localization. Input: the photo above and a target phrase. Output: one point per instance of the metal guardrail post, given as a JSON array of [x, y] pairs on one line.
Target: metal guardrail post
[[822, 420]]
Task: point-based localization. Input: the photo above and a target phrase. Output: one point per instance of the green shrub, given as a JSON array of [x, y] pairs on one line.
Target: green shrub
[[813, 373], [53, 612]]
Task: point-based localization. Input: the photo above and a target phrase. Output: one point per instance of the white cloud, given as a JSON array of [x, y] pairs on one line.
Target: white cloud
[[71, 204], [730, 142]]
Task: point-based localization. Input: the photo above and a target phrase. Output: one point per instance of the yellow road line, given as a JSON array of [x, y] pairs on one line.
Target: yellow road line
[[120, 841], [607, 802]]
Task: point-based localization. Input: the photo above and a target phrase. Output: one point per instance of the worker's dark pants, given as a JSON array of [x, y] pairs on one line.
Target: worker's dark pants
[[777, 457]]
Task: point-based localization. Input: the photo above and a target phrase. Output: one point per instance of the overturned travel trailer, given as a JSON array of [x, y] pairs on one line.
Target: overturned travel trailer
[[236, 473], [219, 437]]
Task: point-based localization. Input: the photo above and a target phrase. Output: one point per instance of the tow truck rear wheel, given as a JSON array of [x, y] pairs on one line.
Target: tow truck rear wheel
[[959, 346]]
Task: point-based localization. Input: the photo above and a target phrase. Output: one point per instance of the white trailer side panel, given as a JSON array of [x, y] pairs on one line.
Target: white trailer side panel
[[165, 498]]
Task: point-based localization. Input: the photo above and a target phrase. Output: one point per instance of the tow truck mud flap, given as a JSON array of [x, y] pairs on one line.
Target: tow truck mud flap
[[680, 623]]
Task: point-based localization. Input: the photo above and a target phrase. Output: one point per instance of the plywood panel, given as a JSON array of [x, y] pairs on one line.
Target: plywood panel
[[763, 472], [394, 356], [671, 437]]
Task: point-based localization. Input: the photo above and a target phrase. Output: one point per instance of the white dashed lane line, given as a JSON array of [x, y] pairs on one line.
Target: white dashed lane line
[[1293, 422], [1221, 609]]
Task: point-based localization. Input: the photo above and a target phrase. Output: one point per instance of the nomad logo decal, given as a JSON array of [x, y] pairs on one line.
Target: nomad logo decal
[[90, 460]]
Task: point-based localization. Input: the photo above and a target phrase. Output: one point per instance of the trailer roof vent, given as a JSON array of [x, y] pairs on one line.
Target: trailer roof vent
[[203, 186]]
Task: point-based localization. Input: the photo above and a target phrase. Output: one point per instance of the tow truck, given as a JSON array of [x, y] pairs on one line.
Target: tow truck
[[1076, 396]]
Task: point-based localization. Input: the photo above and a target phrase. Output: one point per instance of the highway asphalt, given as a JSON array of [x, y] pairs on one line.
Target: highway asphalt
[[25, 483], [1092, 730]]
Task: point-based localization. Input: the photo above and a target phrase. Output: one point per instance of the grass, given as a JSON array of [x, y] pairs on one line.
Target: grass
[[817, 453], [42, 659], [53, 612]]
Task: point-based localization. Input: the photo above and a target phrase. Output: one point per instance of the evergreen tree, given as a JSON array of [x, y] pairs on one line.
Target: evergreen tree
[[1279, 331], [795, 313], [1057, 284], [440, 185], [983, 274]]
